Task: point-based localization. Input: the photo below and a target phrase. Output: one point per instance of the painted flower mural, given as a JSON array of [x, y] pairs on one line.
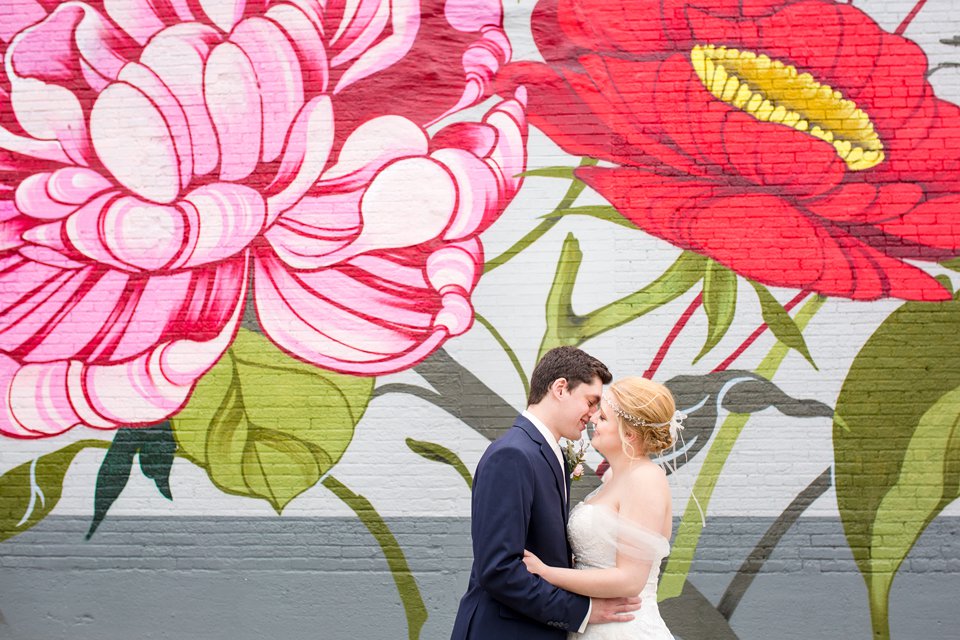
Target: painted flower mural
[[772, 137], [179, 150]]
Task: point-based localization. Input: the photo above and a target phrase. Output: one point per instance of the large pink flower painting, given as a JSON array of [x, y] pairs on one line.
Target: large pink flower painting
[[159, 160]]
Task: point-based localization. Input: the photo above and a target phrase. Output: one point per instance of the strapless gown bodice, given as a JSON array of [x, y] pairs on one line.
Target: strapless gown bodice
[[593, 531]]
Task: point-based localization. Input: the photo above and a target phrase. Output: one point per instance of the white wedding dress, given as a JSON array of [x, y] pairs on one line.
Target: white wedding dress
[[594, 533]]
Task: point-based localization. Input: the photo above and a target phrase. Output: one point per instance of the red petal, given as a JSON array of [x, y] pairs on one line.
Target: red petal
[[935, 224], [558, 109], [620, 94], [760, 236]]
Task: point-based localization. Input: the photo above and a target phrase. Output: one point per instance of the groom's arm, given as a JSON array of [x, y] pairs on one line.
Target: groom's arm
[[502, 503]]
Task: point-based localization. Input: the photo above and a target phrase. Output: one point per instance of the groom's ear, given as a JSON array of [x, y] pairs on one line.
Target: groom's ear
[[559, 387]]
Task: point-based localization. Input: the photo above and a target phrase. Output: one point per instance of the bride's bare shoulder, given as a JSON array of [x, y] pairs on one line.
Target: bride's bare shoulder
[[649, 475]]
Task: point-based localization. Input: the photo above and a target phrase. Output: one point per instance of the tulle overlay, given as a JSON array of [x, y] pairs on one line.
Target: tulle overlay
[[596, 535]]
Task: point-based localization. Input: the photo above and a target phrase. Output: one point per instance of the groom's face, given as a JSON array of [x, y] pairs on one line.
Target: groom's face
[[577, 405]]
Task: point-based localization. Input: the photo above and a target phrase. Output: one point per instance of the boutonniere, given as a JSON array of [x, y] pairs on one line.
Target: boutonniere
[[575, 453]]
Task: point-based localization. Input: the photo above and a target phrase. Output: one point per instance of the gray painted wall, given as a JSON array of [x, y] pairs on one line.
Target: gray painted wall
[[322, 579]]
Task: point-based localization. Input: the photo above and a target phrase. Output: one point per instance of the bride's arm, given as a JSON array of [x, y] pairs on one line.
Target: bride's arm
[[645, 509]]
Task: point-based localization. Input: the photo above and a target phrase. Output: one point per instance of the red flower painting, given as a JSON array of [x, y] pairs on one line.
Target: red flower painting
[[797, 143]]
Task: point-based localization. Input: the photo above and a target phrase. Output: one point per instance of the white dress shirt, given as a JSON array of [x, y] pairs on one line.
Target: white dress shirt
[[552, 439]]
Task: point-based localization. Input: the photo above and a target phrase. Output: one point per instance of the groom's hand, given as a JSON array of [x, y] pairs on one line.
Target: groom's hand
[[613, 609]]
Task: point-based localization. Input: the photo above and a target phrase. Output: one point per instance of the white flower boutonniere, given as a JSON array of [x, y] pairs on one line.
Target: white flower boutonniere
[[575, 453]]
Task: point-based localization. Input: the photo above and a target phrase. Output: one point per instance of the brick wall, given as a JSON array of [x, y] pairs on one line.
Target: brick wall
[[272, 281]]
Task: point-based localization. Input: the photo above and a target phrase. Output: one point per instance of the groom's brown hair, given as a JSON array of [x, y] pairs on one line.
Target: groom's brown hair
[[574, 365]]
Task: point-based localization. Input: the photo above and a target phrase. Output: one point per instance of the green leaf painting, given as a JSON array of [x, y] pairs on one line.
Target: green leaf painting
[[267, 426], [781, 324], [438, 453], [30, 491], [719, 303], [566, 327], [896, 441], [155, 448]]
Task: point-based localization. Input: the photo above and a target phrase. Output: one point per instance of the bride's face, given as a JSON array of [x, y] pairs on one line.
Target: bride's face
[[606, 432]]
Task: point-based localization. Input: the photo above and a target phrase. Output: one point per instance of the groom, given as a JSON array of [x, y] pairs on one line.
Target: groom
[[520, 494]]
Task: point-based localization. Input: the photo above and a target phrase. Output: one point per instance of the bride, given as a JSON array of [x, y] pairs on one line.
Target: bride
[[620, 533]]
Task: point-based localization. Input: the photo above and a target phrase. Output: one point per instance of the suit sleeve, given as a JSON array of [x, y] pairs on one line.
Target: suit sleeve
[[502, 503]]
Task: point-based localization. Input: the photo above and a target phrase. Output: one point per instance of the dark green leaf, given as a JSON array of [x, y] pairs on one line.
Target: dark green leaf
[[565, 327], [719, 303], [112, 478], [896, 440], [268, 426], [601, 212], [156, 448], [29, 492], [437, 453], [780, 322], [157, 454]]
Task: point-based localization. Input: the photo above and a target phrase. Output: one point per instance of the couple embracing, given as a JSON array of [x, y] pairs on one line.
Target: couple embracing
[[539, 575]]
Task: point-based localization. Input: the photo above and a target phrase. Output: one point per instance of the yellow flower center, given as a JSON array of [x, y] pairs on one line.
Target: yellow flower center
[[772, 91]]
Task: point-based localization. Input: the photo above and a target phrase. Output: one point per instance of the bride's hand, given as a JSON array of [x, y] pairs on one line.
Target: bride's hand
[[534, 564]]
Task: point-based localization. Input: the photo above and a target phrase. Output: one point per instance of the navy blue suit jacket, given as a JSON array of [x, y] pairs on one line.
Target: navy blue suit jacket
[[518, 504]]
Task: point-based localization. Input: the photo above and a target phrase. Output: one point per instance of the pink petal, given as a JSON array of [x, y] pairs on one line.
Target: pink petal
[[391, 221], [223, 219], [307, 235], [43, 296], [306, 155], [138, 18], [279, 77], [360, 25], [303, 28], [143, 158], [75, 316], [36, 400], [404, 22], [372, 146], [477, 191], [509, 156], [177, 55], [224, 13], [16, 15], [47, 398], [233, 100], [144, 79], [301, 319], [53, 67], [141, 234]]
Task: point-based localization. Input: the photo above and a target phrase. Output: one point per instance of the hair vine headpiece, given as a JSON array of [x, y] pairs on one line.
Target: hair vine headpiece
[[675, 422]]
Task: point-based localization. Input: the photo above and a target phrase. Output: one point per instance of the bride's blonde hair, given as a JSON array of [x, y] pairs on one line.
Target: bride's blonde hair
[[643, 408]]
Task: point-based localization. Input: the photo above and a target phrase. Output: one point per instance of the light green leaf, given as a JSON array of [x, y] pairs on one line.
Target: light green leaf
[[719, 303], [438, 453], [392, 552], [780, 322], [952, 264], [896, 441], [565, 173], [29, 492], [266, 425], [566, 327], [601, 212]]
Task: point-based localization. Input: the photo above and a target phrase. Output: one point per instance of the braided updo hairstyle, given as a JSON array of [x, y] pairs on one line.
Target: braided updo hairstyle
[[643, 403]]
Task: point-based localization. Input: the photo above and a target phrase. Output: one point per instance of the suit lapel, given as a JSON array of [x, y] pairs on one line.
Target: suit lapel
[[561, 477], [546, 450]]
